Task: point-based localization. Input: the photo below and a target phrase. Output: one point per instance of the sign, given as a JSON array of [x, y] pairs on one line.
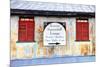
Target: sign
[[54, 33]]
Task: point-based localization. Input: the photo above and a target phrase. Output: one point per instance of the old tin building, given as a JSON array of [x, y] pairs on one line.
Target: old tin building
[[28, 23]]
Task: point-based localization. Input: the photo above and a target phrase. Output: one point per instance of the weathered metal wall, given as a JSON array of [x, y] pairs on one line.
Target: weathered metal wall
[[38, 50]]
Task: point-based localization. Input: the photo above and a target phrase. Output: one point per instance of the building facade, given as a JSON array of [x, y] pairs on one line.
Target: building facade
[[28, 21]]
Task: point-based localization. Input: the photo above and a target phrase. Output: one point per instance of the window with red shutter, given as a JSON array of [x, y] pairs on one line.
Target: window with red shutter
[[26, 30], [82, 30]]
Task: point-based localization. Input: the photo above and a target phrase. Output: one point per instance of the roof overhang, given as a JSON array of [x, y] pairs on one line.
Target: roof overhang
[[21, 12]]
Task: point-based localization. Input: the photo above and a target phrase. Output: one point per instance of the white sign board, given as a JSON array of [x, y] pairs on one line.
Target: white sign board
[[54, 33]]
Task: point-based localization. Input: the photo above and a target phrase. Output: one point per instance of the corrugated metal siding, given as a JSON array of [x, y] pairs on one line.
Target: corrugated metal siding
[[47, 6]]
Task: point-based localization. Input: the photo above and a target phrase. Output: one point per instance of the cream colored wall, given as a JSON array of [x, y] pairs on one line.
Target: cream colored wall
[[14, 35], [72, 48]]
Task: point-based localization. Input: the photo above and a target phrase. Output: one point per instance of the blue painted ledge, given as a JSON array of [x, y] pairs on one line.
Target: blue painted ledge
[[56, 60]]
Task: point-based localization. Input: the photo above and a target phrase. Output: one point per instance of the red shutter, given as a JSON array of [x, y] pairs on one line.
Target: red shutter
[[26, 30], [30, 30], [82, 30]]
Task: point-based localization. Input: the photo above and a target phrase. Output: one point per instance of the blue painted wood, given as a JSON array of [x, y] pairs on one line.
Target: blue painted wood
[[56, 60]]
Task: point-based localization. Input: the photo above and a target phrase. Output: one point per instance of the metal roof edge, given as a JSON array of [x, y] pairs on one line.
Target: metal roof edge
[[50, 13]]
